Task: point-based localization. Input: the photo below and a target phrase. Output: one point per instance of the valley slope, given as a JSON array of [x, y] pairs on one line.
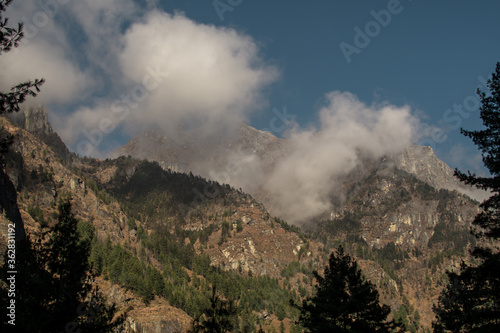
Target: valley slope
[[404, 217]]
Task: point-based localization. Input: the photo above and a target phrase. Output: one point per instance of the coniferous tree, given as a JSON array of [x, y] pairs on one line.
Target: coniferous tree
[[219, 317], [488, 141], [54, 293], [68, 262], [471, 300], [344, 301]]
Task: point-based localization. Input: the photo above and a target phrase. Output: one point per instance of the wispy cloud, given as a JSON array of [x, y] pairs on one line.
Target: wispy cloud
[[466, 157], [303, 183], [309, 170]]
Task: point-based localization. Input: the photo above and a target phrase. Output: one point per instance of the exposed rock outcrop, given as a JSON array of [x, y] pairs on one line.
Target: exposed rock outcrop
[[423, 163], [36, 121]]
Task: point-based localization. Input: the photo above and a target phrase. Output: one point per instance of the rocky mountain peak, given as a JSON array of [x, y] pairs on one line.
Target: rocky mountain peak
[[178, 153], [34, 120], [421, 162]]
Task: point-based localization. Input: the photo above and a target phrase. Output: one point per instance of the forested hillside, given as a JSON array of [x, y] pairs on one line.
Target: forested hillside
[[167, 239]]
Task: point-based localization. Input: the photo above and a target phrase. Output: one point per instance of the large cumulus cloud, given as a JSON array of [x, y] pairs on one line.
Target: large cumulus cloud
[[215, 76], [119, 66]]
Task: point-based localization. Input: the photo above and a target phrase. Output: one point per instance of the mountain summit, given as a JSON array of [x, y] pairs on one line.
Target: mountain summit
[[424, 164], [261, 151]]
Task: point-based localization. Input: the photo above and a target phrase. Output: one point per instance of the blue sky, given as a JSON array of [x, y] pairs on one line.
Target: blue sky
[[426, 54], [429, 55]]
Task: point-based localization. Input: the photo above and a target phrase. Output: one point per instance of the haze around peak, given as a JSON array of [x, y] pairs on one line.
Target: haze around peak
[[349, 131], [299, 174]]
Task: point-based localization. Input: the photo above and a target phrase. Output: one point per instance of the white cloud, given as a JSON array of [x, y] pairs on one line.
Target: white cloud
[[43, 53], [169, 71], [64, 81], [214, 74], [176, 73], [302, 184]]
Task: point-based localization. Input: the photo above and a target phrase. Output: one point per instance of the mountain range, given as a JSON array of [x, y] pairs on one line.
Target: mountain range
[[192, 213], [250, 144]]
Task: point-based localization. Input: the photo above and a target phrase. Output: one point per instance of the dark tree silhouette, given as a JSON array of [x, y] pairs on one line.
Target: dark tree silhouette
[[471, 300], [345, 301], [488, 141], [55, 291]]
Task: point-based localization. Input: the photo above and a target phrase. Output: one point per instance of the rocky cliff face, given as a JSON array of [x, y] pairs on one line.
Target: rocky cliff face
[[55, 180], [413, 230], [181, 154], [42, 178], [421, 162], [396, 207], [36, 121]]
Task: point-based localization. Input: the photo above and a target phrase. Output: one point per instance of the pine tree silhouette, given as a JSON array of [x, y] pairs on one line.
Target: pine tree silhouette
[[219, 317], [54, 290], [471, 300], [344, 301]]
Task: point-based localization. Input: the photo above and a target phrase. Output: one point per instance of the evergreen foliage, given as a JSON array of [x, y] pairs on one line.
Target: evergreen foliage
[[469, 303], [54, 290], [488, 141], [37, 214], [471, 300], [239, 226], [407, 317], [152, 193], [219, 317], [344, 301], [192, 294]]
